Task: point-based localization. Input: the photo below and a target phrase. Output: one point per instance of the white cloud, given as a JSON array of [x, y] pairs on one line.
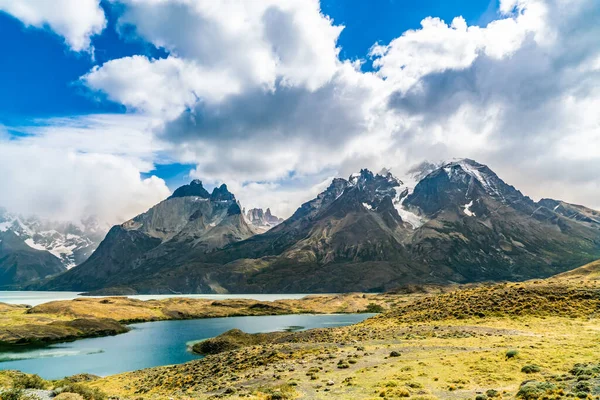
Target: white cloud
[[69, 169], [164, 87], [75, 20], [255, 42], [256, 96], [438, 47]]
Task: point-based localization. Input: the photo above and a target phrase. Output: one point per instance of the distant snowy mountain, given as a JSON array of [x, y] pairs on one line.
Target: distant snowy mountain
[[72, 243], [262, 220]]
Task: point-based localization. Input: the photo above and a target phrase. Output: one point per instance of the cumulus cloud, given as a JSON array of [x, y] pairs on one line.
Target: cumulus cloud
[[250, 91], [163, 87], [75, 20], [255, 42], [255, 95], [69, 169], [527, 113]]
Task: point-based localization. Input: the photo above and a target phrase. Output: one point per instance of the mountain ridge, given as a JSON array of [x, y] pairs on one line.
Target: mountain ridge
[[371, 232]]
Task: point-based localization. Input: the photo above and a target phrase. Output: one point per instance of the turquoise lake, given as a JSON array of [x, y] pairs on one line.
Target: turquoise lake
[[151, 344]]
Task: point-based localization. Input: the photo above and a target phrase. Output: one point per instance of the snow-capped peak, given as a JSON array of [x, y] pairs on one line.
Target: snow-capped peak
[[70, 242], [478, 171]]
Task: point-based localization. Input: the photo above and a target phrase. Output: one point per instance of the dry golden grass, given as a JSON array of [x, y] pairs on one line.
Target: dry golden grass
[[459, 359], [442, 349], [586, 274]]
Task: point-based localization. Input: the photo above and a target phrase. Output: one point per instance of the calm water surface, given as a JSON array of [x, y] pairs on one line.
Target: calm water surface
[[151, 344], [35, 298]]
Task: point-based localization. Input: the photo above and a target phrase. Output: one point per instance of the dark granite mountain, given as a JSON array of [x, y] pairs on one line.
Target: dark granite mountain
[[483, 229], [460, 223], [191, 220], [21, 263]]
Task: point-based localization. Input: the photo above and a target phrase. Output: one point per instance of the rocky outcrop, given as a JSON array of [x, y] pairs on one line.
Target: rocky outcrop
[[262, 220]]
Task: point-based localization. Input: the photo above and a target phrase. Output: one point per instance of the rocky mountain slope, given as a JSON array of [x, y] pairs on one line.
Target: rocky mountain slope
[[21, 263], [191, 220], [33, 248], [460, 223]]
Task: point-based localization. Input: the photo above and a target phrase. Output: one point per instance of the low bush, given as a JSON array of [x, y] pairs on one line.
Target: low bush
[[12, 394], [530, 369], [533, 390], [512, 353], [374, 308], [25, 381], [86, 392]]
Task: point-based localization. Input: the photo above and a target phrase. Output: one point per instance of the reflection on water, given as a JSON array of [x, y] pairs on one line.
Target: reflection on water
[[152, 344], [26, 354]]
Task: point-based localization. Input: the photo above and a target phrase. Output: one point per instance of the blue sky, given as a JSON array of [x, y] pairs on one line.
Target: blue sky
[[38, 75], [107, 106]]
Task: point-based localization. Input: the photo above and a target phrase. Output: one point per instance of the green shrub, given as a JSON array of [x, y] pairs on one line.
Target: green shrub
[[86, 392], [374, 308], [512, 353], [29, 382], [534, 390], [481, 397], [12, 394], [582, 387], [530, 369]]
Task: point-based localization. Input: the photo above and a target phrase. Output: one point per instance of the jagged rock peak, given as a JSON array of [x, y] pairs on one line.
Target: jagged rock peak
[[195, 188], [222, 194], [258, 217], [234, 209], [365, 177]]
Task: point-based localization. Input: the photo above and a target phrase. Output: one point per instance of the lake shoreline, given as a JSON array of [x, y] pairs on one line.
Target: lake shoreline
[[499, 342], [69, 320]]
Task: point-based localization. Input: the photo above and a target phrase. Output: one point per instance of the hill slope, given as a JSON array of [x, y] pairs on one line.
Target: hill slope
[[588, 273]]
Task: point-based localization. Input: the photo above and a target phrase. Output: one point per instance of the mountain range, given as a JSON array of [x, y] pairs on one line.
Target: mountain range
[[371, 232], [32, 248]]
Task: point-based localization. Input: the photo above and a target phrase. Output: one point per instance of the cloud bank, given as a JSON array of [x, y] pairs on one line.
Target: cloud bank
[[257, 96]]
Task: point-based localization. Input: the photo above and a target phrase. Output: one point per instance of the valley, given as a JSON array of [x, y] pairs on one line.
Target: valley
[[531, 340]]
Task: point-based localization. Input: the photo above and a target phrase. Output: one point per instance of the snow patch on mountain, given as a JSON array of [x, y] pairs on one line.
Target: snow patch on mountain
[[70, 242], [467, 209], [29, 242], [473, 169], [408, 216]]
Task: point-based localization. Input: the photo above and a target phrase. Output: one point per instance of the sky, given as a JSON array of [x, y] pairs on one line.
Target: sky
[[107, 106]]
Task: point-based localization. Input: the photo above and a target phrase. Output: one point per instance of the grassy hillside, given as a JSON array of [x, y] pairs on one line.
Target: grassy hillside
[[532, 340], [587, 273]]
